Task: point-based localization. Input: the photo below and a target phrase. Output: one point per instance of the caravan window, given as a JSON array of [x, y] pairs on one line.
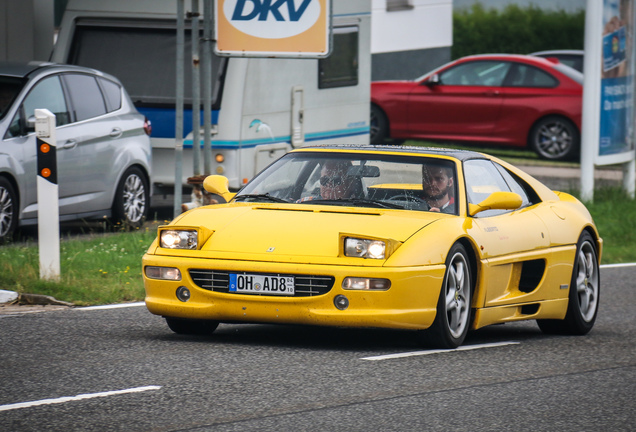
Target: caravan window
[[340, 69], [141, 55]]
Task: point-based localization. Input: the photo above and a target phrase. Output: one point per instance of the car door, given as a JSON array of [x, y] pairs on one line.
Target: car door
[[96, 136], [529, 93], [465, 102], [47, 93], [508, 239]]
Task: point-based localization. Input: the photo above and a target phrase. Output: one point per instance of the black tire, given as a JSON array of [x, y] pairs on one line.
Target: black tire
[[584, 296], [132, 199], [379, 129], [8, 211], [192, 326], [555, 138], [453, 307]]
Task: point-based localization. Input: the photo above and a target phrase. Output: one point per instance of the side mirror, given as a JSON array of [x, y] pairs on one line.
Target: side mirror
[[217, 184], [496, 201], [433, 80]]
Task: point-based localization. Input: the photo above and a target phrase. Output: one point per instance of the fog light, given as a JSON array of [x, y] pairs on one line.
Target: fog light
[[183, 294], [341, 302]]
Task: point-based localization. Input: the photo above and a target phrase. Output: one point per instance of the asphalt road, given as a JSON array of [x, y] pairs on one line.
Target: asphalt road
[[123, 370]]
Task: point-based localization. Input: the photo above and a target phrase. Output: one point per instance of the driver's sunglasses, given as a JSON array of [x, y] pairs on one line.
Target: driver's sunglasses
[[331, 181]]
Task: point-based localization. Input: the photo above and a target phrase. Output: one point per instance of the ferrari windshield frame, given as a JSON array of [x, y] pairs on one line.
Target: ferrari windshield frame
[[354, 179]]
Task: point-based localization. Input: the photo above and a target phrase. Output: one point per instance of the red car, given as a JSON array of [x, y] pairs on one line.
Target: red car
[[512, 100]]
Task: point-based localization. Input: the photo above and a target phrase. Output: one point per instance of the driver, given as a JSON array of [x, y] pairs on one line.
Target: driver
[[438, 185], [334, 182]]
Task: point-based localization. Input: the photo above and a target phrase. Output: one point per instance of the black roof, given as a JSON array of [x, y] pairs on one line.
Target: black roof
[[457, 154]]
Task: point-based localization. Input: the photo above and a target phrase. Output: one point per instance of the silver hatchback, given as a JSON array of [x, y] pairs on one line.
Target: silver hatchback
[[103, 145]]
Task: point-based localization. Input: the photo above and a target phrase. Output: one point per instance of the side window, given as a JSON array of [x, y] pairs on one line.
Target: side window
[[476, 73], [112, 93], [86, 96], [45, 94], [528, 195], [482, 179], [529, 76], [340, 69]]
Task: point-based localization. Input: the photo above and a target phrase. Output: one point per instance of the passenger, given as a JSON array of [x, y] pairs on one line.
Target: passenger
[[438, 186]]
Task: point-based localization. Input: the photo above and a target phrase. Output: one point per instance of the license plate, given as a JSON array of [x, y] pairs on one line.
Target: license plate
[[262, 284]]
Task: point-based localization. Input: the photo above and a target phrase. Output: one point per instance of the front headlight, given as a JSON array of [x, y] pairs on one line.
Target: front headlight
[[178, 239], [364, 248]]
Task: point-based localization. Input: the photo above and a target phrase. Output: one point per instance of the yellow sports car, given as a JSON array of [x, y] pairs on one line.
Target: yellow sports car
[[430, 240]]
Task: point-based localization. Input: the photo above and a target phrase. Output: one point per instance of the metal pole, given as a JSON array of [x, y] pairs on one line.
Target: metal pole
[[207, 86], [591, 97], [196, 91], [178, 144]]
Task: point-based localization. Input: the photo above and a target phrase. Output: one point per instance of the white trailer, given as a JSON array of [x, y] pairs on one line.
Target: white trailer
[[261, 107]]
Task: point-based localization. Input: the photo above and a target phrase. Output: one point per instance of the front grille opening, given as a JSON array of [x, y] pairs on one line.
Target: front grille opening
[[219, 281]]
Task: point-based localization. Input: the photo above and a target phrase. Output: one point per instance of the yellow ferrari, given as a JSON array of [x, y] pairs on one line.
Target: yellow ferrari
[[430, 240]]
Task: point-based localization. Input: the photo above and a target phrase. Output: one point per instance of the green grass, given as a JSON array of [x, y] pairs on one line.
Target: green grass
[[100, 269]]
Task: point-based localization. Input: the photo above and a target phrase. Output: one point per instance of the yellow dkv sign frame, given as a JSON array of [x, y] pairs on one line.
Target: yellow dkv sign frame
[[273, 28]]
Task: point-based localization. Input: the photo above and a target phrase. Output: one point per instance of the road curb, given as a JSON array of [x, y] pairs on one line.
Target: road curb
[[14, 298]]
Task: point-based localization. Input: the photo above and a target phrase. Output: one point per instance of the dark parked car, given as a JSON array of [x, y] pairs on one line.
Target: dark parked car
[[572, 58], [512, 100], [103, 145]]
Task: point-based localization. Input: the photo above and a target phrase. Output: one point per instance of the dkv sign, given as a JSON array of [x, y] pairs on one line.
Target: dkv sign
[[273, 28]]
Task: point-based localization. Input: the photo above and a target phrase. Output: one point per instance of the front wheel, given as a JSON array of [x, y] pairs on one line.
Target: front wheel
[[192, 326], [585, 288], [8, 211], [453, 307], [132, 199], [555, 138]]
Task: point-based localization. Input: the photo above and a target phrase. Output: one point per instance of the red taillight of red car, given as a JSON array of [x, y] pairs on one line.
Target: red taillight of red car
[[147, 126]]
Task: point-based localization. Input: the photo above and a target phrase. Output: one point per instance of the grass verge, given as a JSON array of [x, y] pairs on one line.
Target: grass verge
[[106, 268]]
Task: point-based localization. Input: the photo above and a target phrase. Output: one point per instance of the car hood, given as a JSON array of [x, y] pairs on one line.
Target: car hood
[[296, 233]]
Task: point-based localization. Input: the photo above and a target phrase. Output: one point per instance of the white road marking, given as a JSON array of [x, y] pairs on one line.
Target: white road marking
[[618, 265], [112, 306], [76, 398], [439, 351]]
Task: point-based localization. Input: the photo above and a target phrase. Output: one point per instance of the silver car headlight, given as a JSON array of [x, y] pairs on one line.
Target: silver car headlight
[[364, 248], [178, 239]]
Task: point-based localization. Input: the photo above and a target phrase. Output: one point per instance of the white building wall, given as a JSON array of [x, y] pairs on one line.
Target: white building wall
[[428, 24]]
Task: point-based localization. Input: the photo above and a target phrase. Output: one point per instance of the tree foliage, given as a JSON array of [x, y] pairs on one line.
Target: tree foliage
[[515, 30]]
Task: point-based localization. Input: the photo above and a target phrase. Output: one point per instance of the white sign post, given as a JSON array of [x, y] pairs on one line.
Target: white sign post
[[48, 198], [609, 125]]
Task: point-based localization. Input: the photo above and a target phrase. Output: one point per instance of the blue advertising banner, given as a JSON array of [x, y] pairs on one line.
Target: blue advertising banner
[[617, 84]]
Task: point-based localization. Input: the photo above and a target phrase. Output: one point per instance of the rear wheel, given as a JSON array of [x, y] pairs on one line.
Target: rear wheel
[[585, 288], [132, 199], [8, 211], [191, 326], [555, 138], [453, 307]]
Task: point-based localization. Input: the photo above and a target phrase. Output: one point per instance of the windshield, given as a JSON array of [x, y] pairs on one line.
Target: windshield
[[9, 89], [358, 180]]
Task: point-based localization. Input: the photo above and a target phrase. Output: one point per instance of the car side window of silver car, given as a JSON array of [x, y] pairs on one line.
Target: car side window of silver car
[[45, 94], [86, 97]]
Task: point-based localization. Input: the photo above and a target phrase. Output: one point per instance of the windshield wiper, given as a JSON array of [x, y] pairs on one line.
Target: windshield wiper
[[266, 197], [356, 202]]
